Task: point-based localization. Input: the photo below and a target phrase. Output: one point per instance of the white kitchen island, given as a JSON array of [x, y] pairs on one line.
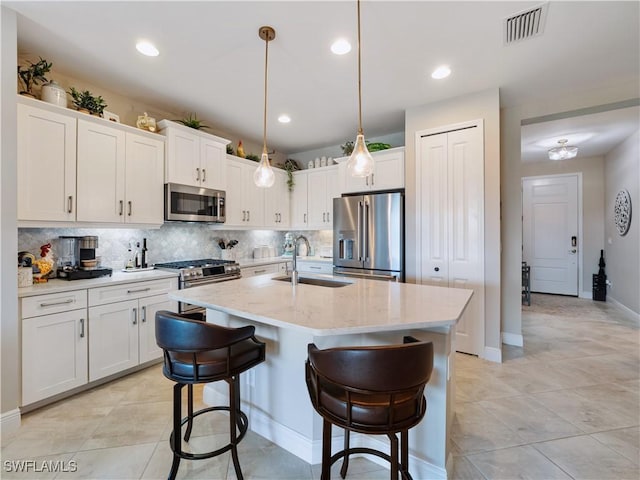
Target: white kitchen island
[[364, 312]]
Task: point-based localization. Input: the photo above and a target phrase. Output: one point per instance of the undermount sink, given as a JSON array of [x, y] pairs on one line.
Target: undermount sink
[[320, 282]]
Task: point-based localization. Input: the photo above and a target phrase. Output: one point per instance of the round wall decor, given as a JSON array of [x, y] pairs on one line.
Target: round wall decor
[[622, 212]]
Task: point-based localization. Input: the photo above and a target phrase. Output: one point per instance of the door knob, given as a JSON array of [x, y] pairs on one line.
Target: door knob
[[573, 250]]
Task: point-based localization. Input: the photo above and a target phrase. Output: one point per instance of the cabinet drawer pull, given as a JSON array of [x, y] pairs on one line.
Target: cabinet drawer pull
[[366, 181], [130, 204], [304, 216], [70, 204], [204, 175], [328, 217], [315, 268], [63, 302], [139, 290], [244, 215], [372, 182], [144, 314], [248, 215], [197, 174], [259, 271], [324, 216], [121, 207], [82, 328], [135, 316]]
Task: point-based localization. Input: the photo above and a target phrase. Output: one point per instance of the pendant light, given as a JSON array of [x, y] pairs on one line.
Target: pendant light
[[264, 176], [360, 163], [563, 152]]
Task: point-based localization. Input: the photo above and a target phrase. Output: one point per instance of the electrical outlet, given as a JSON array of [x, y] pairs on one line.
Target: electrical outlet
[[609, 284]]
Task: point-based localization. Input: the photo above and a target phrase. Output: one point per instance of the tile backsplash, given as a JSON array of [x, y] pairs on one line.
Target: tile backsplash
[[171, 242]]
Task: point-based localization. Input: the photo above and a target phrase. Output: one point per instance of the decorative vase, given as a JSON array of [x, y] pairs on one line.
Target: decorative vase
[[54, 93]]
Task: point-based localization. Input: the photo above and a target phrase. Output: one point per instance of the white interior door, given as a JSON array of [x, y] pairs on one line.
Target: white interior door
[[550, 233], [451, 200]]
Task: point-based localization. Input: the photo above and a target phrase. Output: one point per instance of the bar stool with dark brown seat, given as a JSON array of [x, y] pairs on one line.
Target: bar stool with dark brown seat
[[199, 352], [375, 390]]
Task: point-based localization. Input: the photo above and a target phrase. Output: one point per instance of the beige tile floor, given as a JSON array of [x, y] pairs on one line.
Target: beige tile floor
[[567, 405]]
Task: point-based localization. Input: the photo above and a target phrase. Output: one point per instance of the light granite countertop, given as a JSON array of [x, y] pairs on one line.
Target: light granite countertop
[[57, 285], [360, 307]]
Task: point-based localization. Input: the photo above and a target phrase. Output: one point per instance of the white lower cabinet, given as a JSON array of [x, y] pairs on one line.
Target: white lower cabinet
[[261, 269], [122, 325], [54, 350], [325, 268]]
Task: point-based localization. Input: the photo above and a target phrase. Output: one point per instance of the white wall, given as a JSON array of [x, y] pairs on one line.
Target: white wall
[[511, 173], [622, 253], [592, 241], [9, 384], [483, 105]]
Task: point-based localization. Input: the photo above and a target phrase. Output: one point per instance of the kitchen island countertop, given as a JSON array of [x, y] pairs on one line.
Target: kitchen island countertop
[[361, 306]]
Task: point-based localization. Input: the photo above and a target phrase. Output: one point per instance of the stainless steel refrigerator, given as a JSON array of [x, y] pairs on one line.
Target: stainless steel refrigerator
[[368, 236]]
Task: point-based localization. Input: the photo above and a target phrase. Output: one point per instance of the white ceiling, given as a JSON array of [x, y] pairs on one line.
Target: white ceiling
[[212, 61]]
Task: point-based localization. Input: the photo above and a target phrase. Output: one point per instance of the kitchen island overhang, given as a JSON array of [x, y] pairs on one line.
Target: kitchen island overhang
[[364, 312]]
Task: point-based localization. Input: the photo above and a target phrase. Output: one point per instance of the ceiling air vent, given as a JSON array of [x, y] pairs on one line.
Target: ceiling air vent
[[523, 25]]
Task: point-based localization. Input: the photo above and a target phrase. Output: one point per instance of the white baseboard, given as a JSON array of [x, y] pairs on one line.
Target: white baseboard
[[10, 422], [635, 317], [492, 354], [513, 339], [588, 295], [310, 450]]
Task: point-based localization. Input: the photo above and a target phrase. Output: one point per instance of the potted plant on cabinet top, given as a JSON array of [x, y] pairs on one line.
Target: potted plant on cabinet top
[[290, 166], [32, 75], [192, 122], [85, 101]]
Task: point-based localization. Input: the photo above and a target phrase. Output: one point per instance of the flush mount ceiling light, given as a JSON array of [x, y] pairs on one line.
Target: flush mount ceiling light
[[264, 176], [443, 71], [284, 118], [147, 48], [341, 46], [360, 163], [563, 152]]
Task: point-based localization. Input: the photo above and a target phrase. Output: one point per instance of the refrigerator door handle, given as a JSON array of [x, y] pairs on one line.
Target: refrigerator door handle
[[390, 277], [360, 232], [365, 231]]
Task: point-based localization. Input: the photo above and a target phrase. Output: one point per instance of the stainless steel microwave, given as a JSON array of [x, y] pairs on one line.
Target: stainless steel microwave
[[185, 203]]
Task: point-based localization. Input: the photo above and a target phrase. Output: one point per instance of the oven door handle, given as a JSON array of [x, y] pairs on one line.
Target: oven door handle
[[199, 283]]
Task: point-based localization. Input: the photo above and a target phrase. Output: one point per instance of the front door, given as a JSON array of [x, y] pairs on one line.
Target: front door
[[550, 233]]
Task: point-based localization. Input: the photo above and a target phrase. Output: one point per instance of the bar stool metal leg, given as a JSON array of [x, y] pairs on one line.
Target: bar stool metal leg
[[345, 462], [176, 441], [404, 454], [234, 422], [394, 456], [187, 434], [326, 450]]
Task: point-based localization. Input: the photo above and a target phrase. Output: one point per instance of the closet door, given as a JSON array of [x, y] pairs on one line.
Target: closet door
[[451, 196]]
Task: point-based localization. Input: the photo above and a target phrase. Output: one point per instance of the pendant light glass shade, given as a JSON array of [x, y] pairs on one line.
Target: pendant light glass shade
[[360, 163], [264, 176], [563, 152]]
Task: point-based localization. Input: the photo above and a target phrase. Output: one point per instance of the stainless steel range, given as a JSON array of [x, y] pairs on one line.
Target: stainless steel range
[[194, 273]]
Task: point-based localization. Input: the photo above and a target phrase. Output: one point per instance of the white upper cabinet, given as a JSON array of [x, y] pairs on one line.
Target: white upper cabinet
[[76, 167], [276, 202], [244, 200], [322, 188], [312, 198], [119, 176], [299, 209], [46, 165], [388, 173], [193, 157]]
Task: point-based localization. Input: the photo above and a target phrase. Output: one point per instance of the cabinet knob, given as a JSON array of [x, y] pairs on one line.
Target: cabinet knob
[[437, 269]]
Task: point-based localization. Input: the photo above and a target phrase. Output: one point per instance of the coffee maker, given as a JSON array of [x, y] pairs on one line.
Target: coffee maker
[[77, 258]]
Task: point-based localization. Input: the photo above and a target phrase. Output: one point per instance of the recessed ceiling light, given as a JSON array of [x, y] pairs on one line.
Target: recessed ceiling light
[[443, 71], [147, 48], [341, 46], [284, 118]]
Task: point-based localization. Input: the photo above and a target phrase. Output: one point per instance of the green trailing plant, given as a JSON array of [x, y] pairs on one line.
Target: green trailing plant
[[251, 156], [230, 150], [34, 74], [192, 122], [290, 166], [87, 101], [347, 148]]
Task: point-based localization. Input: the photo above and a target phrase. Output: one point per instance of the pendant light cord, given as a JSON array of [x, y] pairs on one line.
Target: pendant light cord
[[266, 63], [360, 132]]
